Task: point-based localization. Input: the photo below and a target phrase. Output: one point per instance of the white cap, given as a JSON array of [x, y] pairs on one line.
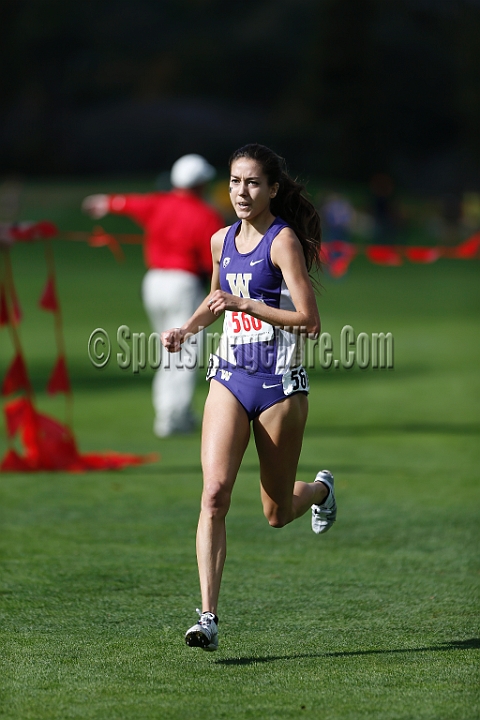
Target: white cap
[[190, 171]]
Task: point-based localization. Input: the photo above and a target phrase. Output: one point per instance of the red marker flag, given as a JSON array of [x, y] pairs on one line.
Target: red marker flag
[[99, 238], [12, 462], [16, 377], [59, 380], [17, 312], [3, 306], [469, 248], [48, 301], [17, 413], [383, 254], [28, 231], [337, 255], [422, 254], [50, 445], [45, 229]]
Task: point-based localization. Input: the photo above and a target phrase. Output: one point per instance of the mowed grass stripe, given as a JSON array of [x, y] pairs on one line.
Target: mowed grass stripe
[[377, 619]]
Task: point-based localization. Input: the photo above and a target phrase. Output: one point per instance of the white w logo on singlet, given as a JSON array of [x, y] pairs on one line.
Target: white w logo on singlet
[[239, 283]]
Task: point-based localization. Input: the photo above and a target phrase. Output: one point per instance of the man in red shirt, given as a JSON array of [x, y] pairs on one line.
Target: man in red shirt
[[178, 226]]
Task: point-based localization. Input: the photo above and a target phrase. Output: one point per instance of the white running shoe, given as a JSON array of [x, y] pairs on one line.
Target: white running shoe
[[324, 515], [205, 633]]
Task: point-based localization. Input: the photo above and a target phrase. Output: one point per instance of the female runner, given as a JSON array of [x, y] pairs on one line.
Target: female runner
[[261, 282]]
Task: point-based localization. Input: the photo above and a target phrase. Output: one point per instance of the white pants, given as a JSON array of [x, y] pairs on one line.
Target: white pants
[[170, 297]]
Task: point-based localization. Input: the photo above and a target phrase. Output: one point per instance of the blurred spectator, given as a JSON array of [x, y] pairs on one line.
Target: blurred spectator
[[178, 226], [337, 215], [451, 214], [471, 212], [10, 194], [383, 208]]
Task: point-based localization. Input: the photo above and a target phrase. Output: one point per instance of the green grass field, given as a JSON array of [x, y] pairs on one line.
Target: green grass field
[[376, 620]]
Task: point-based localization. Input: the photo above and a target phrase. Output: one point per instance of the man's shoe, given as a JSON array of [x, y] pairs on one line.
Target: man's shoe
[[324, 515], [205, 633]]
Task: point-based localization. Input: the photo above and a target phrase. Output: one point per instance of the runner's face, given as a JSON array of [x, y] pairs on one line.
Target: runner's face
[[250, 192]]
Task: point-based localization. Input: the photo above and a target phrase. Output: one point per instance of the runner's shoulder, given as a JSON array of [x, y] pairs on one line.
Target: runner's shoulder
[[285, 244], [217, 241]]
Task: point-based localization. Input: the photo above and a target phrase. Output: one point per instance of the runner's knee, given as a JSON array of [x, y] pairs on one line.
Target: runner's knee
[[277, 517], [215, 499]]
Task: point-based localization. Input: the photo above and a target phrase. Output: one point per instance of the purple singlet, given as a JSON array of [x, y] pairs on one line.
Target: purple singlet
[[249, 346]]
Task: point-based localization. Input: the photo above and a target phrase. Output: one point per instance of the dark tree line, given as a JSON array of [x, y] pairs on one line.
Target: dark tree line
[[344, 88]]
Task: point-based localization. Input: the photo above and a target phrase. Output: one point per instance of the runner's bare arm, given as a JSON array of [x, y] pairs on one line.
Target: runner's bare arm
[[203, 316]]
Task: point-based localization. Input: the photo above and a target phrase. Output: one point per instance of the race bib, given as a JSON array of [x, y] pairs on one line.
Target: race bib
[[295, 380], [242, 328]]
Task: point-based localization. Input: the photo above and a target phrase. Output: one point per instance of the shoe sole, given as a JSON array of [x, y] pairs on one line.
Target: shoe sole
[[198, 639]]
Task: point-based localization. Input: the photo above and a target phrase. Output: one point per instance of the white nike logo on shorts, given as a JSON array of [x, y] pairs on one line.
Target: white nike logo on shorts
[[255, 262], [266, 387]]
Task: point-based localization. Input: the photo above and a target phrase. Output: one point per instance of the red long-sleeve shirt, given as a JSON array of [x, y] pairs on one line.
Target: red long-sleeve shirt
[[178, 226]]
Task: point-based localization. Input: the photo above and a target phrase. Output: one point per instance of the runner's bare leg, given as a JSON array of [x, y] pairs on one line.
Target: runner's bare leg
[[278, 436], [225, 436]]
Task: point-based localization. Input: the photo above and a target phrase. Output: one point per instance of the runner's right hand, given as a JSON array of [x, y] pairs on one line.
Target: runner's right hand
[[172, 339]]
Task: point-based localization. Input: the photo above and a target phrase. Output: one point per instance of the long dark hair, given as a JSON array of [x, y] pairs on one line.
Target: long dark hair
[[289, 203]]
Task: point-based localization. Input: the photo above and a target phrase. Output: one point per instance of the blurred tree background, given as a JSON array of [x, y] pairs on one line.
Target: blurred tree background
[[343, 88]]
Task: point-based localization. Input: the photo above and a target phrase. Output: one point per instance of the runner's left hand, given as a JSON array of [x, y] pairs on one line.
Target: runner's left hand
[[220, 301]]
